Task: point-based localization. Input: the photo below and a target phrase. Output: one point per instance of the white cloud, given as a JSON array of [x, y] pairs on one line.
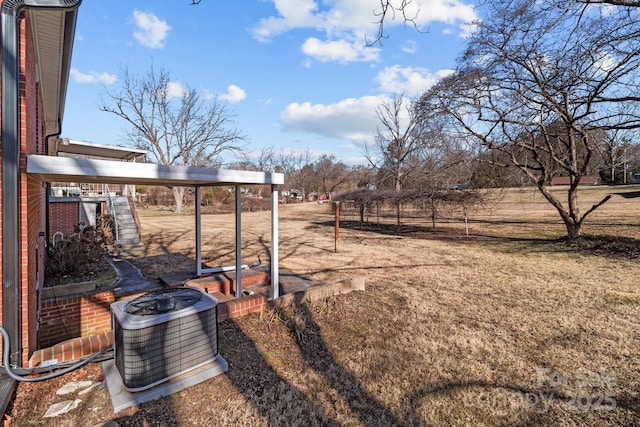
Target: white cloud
[[352, 20], [411, 81], [175, 90], [151, 31], [353, 118], [605, 63], [92, 77], [410, 47], [293, 14], [340, 51], [234, 94]]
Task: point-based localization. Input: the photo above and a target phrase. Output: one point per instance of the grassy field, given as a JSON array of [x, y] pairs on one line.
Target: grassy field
[[506, 326]]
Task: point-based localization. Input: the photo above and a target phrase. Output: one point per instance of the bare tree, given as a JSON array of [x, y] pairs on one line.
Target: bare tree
[[391, 10], [618, 151], [178, 129], [538, 83], [397, 144], [331, 173], [397, 141], [298, 170], [263, 161]]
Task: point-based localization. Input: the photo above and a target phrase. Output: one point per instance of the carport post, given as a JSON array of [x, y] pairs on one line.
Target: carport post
[[238, 242], [198, 233], [275, 277]]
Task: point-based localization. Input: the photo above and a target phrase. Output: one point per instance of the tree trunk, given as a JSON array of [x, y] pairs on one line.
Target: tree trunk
[[178, 195], [574, 229], [571, 218], [432, 207]]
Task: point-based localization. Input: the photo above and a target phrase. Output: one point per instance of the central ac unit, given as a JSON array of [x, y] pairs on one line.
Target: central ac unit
[[163, 334]]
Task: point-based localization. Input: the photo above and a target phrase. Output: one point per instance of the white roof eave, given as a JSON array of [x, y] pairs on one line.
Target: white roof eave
[[67, 169]]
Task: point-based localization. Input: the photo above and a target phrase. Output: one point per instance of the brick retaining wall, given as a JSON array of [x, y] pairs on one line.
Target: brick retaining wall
[[74, 316], [64, 318]]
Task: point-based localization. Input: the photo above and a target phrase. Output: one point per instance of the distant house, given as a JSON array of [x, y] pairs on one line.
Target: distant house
[[318, 197], [585, 180], [294, 193]]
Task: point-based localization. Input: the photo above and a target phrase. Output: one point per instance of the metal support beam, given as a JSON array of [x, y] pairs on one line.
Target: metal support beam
[[198, 232], [275, 276], [238, 242]]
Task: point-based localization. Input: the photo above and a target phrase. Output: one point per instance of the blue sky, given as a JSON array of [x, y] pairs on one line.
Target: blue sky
[[297, 73]]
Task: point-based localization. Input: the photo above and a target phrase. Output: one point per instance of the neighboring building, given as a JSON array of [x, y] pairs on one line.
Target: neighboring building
[[318, 197], [73, 203]]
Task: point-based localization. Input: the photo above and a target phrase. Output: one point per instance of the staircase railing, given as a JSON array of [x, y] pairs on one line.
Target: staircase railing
[[111, 209]]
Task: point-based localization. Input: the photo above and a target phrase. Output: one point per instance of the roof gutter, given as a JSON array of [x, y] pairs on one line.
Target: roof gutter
[[11, 263]]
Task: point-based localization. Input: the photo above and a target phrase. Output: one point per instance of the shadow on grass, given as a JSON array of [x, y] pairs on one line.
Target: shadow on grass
[[629, 195], [308, 338], [278, 402], [598, 245], [282, 403], [404, 230]]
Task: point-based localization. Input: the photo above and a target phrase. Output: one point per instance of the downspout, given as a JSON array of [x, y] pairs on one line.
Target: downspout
[[11, 267], [47, 196], [47, 226]]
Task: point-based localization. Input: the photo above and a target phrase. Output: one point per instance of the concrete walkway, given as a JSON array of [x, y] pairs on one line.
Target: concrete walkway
[[130, 279]]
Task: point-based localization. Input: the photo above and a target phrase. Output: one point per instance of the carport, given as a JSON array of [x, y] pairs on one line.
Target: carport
[[61, 169]]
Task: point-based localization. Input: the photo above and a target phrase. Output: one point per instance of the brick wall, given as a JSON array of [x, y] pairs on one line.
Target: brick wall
[[241, 307], [63, 216], [75, 316], [70, 317], [33, 194]]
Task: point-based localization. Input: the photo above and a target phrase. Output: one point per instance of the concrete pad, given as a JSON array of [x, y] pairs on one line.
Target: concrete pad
[[122, 399]]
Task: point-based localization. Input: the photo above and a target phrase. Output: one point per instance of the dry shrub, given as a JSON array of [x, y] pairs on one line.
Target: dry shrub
[[106, 226], [76, 254]]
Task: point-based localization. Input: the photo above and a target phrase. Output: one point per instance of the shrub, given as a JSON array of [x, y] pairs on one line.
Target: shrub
[[76, 254], [106, 226]]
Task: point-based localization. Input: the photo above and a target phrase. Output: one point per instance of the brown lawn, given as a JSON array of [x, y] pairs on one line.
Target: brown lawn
[[506, 326]]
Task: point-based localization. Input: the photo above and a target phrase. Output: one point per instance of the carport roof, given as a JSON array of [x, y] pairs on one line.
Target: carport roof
[[67, 169], [83, 148]]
